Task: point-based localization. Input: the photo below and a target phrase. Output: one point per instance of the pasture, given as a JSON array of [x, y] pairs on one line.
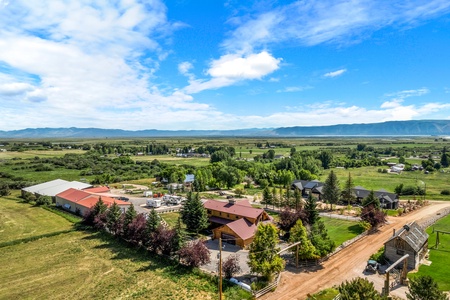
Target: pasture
[[77, 264], [440, 257]]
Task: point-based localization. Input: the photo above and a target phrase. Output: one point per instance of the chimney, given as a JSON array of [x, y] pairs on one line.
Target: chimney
[[232, 201], [393, 229]]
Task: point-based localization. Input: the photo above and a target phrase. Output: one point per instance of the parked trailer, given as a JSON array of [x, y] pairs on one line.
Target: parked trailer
[[148, 194], [154, 202]]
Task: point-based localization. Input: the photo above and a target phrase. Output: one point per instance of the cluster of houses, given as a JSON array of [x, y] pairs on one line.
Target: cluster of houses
[[387, 200]]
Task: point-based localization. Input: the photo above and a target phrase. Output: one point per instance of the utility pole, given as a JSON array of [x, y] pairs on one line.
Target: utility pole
[[220, 268]]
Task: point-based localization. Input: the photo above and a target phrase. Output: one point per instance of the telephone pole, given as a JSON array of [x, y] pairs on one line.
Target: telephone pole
[[220, 268]]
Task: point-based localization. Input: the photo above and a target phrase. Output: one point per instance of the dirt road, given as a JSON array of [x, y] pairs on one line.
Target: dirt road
[[347, 264]]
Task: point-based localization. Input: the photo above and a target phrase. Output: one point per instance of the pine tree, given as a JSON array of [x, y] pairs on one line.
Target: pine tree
[[371, 199], [320, 239], [153, 221], [347, 193], [113, 219], [263, 257], [311, 210], [331, 190], [178, 238], [130, 215], [444, 158], [298, 233], [194, 214]]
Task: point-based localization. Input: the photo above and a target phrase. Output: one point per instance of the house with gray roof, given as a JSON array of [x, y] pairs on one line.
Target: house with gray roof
[[410, 239]]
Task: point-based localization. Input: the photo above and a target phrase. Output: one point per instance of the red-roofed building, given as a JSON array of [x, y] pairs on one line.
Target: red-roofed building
[[97, 190], [79, 201], [235, 222]]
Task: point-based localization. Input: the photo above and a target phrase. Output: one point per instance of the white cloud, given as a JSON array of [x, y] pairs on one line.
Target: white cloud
[[232, 68], [15, 88], [184, 67], [335, 73], [291, 89], [311, 22]]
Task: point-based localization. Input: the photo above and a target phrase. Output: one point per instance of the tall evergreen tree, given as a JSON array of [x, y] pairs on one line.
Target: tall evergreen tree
[[263, 253], [320, 239], [113, 219], [371, 199], [298, 233], [331, 190], [153, 221], [130, 215], [267, 196], [194, 214], [444, 158], [311, 210], [347, 192]]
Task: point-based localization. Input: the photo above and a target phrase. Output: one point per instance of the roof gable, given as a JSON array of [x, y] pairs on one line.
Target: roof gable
[[236, 208], [243, 228], [413, 235]]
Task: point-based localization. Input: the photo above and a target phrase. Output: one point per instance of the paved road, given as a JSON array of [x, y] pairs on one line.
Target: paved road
[[349, 263]]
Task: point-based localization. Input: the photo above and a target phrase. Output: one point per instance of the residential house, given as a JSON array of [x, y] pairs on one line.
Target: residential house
[[411, 239], [387, 200], [235, 222]]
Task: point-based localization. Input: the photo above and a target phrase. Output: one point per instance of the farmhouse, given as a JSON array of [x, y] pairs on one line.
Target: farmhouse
[[235, 222], [412, 240], [80, 202], [54, 187]]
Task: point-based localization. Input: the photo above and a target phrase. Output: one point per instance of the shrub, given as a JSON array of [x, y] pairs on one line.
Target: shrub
[[194, 254], [230, 266], [44, 200], [445, 192]]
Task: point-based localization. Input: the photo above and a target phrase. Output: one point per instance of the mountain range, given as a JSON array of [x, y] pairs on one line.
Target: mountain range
[[390, 128]]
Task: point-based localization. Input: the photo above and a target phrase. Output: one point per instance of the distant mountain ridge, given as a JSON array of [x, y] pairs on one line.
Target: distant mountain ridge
[[390, 128]]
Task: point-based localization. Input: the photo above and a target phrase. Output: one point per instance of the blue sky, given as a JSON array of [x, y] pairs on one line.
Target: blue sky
[[185, 64]]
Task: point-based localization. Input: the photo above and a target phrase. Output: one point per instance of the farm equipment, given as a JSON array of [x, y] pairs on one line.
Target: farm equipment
[[372, 265]]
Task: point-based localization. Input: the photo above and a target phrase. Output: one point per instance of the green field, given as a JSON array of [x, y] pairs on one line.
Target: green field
[[75, 264], [370, 178], [440, 257], [341, 230]]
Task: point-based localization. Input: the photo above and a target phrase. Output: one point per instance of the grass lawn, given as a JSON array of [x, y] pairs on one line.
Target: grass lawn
[[370, 178], [440, 257], [341, 230], [327, 294], [87, 265], [171, 218]]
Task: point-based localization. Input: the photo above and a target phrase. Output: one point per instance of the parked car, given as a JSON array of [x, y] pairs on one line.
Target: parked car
[[372, 265], [123, 198]]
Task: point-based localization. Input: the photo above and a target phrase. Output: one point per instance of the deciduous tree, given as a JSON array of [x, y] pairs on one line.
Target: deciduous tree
[[358, 289], [263, 257], [306, 248], [231, 266], [194, 254]]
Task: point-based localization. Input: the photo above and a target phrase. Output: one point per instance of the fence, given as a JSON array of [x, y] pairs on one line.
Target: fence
[[268, 288], [440, 214]]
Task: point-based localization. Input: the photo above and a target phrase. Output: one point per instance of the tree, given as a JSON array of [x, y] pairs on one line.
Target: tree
[[136, 232], [4, 189], [153, 221], [347, 192], [130, 215], [113, 219], [371, 199], [444, 158], [194, 214], [178, 238], [311, 210], [231, 266], [267, 196], [90, 215], [320, 239], [194, 254], [298, 233], [43, 200], [288, 218], [372, 215], [358, 289], [263, 257], [331, 190], [163, 240], [326, 158], [424, 288], [298, 199]]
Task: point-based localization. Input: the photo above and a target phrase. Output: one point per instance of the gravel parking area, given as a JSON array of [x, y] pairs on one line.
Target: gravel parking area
[[227, 250]]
